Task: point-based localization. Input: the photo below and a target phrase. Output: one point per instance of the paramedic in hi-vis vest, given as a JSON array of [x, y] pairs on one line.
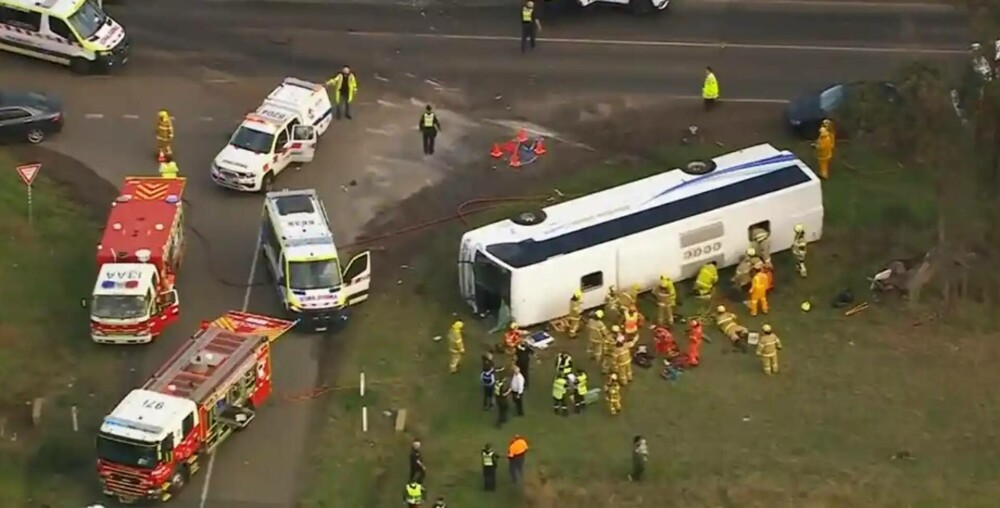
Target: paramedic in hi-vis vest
[[345, 87], [168, 168], [429, 127], [456, 346], [799, 245], [530, 26], [666, 300], [767, 350], [631, 324], [825, 146], [704, 283], [575, 312], [164, 136], [710, 89]]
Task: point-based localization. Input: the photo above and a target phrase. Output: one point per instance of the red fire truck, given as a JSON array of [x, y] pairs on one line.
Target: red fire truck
[[154, 440], [138, 258]]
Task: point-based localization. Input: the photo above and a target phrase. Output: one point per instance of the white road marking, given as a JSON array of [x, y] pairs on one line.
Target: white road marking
[[93, 116], [206, 119], [382, 132], [130, 117], [381, 78], [387, 104], [677, 44], [433, 83], [246, 303]]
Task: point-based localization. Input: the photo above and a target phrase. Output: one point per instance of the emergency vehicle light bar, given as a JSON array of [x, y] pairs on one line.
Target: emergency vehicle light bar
[[142, 427], [110, 284], [302, 242], [302, 84], [254, 117]]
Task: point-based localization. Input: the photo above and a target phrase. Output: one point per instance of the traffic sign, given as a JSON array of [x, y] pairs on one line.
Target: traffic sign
[[28, 172]]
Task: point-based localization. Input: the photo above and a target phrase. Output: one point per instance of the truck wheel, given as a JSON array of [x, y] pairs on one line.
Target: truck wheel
[[699, 167], [641, 7], [529, 218], [178, 481], [81, 66]]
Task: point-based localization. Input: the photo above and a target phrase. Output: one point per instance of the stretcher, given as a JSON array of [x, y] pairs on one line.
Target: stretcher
[[539, 340]]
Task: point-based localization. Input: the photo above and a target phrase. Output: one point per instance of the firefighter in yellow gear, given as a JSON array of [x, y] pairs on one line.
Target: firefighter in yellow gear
[[828, 125], [164, 135], [758, 293], [596, 333], [666, 300], [609, 349], [628, 298], [825, 146], [744, 270], [767, 350], [623, 362], [613, 394], [611, 310], [575, 313], [799, 245], [760, 242], [168, 169], [726, 321], [456, 346], [704, 283]]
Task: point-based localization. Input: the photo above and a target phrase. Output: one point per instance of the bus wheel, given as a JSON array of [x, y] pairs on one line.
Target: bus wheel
[[80, 66], [529, 218], [699, 167]]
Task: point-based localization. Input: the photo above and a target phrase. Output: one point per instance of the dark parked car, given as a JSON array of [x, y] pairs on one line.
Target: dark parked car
[[806, 111], [29, 116]]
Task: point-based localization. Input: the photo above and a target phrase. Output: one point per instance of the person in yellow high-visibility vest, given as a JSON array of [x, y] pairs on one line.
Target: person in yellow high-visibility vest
[[345, 87], [710, 89], [168, 168], [825, 146]]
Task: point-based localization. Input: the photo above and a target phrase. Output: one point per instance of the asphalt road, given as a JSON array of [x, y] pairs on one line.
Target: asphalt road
[[213, 62]]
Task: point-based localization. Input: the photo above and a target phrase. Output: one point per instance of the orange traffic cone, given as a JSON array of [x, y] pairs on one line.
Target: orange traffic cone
[[522, 136], [496, 152], [515, 159], [539, 146]]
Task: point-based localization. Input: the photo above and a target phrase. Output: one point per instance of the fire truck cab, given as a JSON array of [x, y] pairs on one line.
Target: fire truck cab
[[155, 438], [138, 258]]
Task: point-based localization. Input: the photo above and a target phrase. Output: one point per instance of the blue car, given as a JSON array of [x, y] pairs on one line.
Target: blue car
[[807, 111], [29, 116]]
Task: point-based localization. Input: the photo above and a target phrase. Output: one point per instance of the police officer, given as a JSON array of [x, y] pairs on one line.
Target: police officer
[[501, 390], [579, 398], [488, 378], [564, 364], [530, 25], [429, 127], [489, 468]]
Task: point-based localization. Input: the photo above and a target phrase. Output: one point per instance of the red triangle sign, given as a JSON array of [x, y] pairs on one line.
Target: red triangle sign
[[28, 172]]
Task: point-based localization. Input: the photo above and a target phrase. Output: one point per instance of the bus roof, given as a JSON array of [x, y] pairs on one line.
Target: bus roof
[[143, 216], [643, 204]]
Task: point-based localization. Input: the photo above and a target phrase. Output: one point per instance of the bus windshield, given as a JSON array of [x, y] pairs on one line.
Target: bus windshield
[[119, 307], [125, 452], [252, 140], [314, 274], [88, 19]]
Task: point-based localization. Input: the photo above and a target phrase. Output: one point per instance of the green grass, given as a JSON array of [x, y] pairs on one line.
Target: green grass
[[45, 349], [852, 392]]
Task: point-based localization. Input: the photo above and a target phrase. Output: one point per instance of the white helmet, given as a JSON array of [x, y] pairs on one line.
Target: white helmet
[[799, 228], [751, 252]]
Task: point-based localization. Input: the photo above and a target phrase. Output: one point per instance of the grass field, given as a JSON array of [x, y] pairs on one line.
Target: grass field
[[853, 392], [45, 268]]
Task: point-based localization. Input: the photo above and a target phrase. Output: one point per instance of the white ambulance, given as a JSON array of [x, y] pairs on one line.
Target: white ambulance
[[76, 33], [284, 130], [302, 257]]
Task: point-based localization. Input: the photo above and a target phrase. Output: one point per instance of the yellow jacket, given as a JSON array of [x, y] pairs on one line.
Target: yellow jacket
[[759, 285], [575, 308], [708, 275], [164, 130], [168, 170], [596, 329], [455, 343], [666, 296], [710, 90], [336, 81], [824, 145], [769, 345]]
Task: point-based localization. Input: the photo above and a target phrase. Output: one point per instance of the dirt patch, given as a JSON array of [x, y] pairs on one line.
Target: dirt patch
[[84, 187]]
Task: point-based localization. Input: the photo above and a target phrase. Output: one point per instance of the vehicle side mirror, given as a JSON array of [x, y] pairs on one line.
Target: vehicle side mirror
[[84, 303]]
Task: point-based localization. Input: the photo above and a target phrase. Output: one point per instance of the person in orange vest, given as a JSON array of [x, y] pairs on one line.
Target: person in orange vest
[[695, 336], [631, 325], [512, 338], [758, 293], [825, 146], [517, 450]]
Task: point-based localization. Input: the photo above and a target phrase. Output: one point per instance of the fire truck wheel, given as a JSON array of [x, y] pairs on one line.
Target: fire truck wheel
[[178, 480]]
